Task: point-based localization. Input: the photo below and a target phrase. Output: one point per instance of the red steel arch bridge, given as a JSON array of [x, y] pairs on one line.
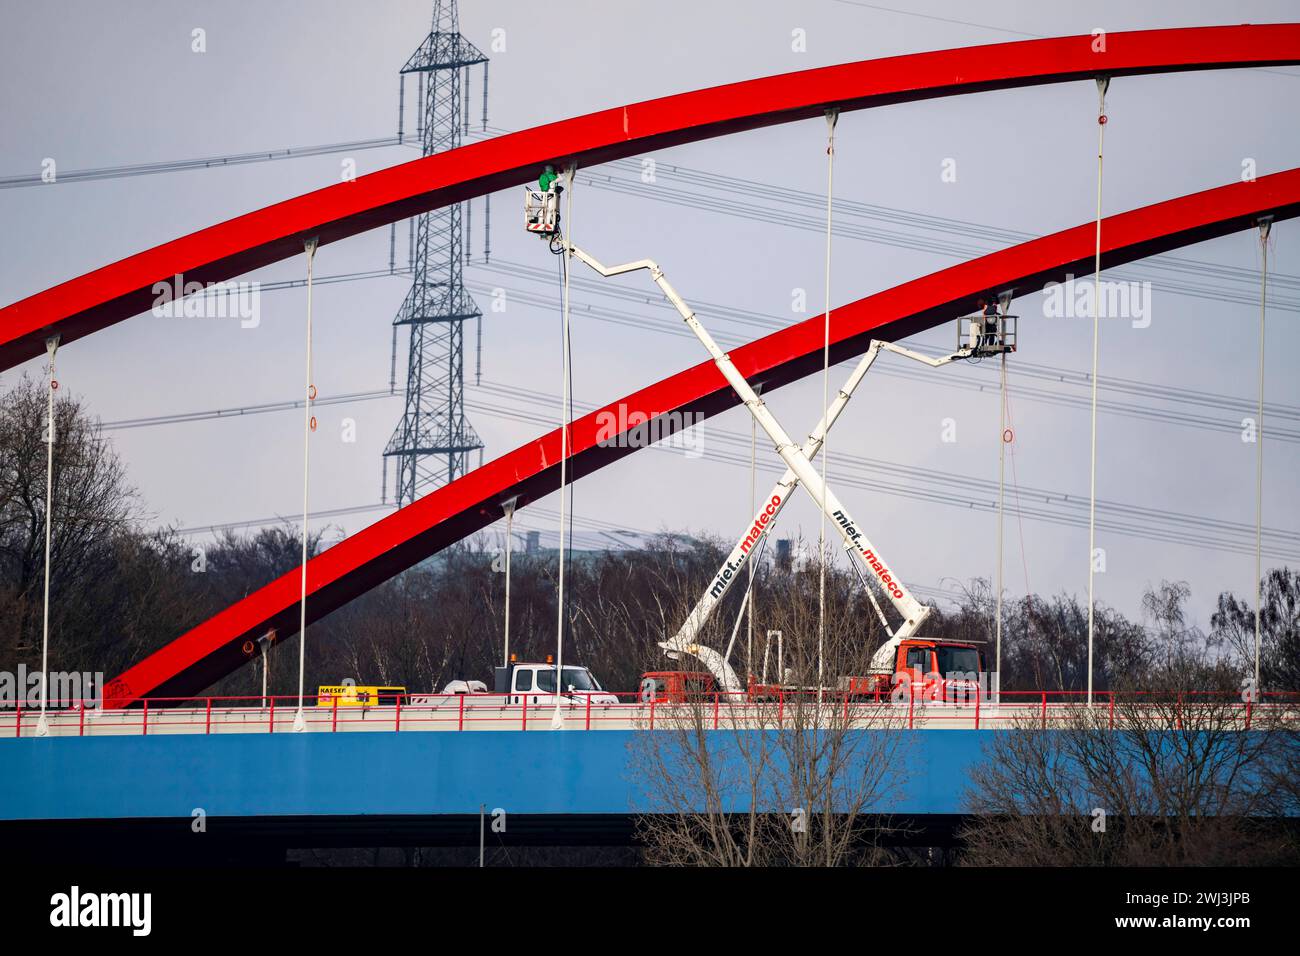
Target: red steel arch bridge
[[120, 290]]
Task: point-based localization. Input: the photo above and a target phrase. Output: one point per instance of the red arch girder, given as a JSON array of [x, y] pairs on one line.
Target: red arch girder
[[115, 292], [472, 502]]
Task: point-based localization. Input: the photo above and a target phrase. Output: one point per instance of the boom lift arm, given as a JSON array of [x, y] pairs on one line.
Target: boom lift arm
[[685, 640], [912, 611], [542, 217]]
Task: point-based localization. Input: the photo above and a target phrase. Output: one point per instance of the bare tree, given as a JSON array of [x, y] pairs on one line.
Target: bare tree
[[1161, 776], [789, 773], [92, 519], [1234, 622], [1044, 639]]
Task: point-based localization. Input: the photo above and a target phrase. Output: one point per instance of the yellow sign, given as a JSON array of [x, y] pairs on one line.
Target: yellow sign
[[355, 695]]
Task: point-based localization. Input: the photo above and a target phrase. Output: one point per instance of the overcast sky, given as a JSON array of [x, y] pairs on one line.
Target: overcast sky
[[99, 84]]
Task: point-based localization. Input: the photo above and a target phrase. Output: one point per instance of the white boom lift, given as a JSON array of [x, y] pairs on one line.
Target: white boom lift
[[798, 459], [685, 640]]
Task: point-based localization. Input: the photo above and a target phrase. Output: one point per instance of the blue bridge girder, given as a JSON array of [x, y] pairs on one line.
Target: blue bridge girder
[[390, 774]]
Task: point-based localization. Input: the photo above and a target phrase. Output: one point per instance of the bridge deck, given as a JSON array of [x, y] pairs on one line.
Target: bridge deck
[[459, 716]]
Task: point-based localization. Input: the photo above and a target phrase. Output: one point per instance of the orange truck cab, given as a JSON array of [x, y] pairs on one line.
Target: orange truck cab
[[934, 670]]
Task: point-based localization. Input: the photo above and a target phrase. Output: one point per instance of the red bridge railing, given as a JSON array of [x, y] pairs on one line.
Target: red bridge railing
[[598, 710]]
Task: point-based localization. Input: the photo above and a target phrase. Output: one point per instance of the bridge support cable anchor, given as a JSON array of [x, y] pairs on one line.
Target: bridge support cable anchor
[[832, 116], [51, 346], [308, 426], [566, 416], [1265, 227], [1103, 84], [508, 506], [264, 643]]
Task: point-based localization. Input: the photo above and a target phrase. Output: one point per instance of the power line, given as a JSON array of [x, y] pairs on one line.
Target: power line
[[996, 29], [639, 321], [1048, 373], [743, 209], [219, 289], [1030, 394], [937, 486], [997, 237], [279, 519], [931, 478], [719, 182], [767, 214], [207, 162], [1054, 375], [920, 483], [243, 411], [928, 477]]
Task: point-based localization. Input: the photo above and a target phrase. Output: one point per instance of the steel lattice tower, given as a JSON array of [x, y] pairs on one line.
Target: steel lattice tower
[[433, 441]]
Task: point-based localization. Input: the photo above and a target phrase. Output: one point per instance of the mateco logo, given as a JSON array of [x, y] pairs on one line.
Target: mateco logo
[[735, 561], [74, 908], [761, 521], [883, 574], [723, 578]]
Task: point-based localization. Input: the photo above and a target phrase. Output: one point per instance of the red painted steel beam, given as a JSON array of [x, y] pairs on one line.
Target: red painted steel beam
[[115, 292], [214, 648]]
